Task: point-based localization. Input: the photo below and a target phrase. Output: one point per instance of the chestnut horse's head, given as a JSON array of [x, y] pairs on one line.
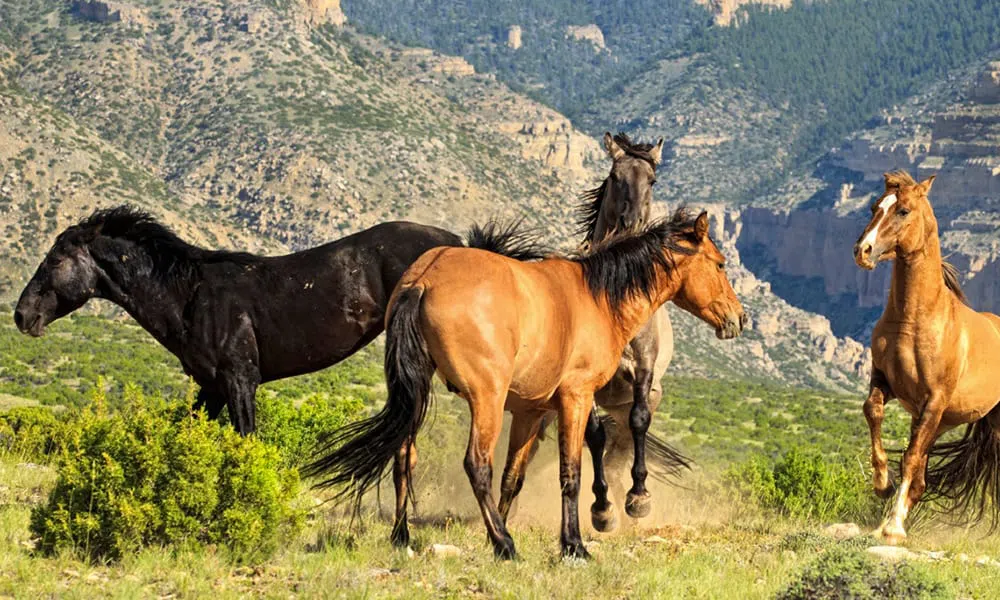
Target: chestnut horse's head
[[902, 220], [623, 202], [704, 290], [63, 282]]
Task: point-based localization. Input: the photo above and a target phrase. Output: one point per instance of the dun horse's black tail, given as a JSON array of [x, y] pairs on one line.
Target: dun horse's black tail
[[509, 239], [356, 456], [964, 476]]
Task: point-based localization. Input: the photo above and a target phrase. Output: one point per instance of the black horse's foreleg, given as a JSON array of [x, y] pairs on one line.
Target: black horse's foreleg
[[211, 400], [602, 514], [238, 376], [637, 503]]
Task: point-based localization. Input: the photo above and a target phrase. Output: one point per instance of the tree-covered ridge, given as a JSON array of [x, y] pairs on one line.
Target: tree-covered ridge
[[565, 73], [839, 63]]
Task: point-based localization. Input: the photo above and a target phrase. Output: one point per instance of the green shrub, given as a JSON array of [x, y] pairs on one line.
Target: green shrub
[[842, 573], [32, 433], [153, 474], [293, 430], [804, 485]]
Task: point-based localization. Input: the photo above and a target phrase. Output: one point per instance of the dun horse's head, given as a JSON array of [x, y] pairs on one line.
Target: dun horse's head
[[901, 219], [628, 190], [705, 291], [64, 281]]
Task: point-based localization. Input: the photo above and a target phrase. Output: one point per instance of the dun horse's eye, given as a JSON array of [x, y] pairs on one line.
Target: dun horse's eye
[[722, 266], [653, 182]]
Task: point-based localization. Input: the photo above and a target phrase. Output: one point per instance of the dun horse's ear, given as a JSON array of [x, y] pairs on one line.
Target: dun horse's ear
[[614, 150], [657, 152], [925, 185], [701, 226]]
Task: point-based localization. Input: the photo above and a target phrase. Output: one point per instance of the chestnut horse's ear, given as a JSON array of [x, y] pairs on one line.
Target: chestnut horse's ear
[[701, 226], [925, 185], [657, 152], [614, 150]]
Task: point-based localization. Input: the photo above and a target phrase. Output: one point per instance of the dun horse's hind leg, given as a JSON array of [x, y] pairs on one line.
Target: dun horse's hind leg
[[924, 430], [524, 428], [574, 411], [406, 454], [638, 502], [878, 394], [487, 417], [602, 511]]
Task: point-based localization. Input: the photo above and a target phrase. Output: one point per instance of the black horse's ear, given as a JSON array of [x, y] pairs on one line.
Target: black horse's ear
[[701, 226]]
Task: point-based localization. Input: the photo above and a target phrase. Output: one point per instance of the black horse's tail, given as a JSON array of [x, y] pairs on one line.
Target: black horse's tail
[[356, 456], [509, 239], [963, 476]]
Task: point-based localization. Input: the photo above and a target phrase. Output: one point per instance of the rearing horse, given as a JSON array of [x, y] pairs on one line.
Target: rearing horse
[[528, 337], [937, 356]]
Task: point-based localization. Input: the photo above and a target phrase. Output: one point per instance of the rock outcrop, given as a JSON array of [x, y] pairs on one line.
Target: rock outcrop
[[319, 12], [723, 11], [514, 37], [586, 33], [555, 144], [105, 11]]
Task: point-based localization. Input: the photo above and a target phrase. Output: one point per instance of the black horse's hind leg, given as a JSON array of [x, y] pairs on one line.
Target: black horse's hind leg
[[602, 513]]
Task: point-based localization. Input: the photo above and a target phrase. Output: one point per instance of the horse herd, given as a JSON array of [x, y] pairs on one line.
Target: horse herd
[[509, 325]]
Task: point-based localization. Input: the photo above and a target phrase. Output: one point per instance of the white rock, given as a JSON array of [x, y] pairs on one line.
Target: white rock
[[892, 553], [843, 531], [444, 551]]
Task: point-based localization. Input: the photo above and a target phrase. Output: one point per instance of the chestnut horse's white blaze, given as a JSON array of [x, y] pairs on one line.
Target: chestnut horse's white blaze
[[884, 206]]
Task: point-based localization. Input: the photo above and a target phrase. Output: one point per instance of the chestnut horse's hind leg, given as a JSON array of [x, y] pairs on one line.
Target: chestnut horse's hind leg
[[923, 431], [574, 412], [407, 453], [602, 511], [878, 394], [487, 417], [524, 430]]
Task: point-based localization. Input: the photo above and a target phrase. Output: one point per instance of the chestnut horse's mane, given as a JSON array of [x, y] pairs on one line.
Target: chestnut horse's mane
[[625, 266], [591, 200]]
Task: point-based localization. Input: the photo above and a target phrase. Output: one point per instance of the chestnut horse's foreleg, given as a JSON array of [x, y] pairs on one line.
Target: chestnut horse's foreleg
[[602, 511], [878, 394], [574, 412], [637, 502], [923, 431], [524, 428], [487, 417], [406, 455]]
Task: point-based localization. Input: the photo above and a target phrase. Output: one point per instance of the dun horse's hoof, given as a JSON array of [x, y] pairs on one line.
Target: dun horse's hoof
[[400, 536], [575, 550], [505, 550], [604, 520], [638, 505]]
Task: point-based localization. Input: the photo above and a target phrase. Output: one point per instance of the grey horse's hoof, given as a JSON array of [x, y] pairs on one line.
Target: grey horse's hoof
[[604, 520], [638, 505]]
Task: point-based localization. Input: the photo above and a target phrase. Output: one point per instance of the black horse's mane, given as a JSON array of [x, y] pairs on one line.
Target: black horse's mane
[[591, 200], [170, 255], [625, 266]]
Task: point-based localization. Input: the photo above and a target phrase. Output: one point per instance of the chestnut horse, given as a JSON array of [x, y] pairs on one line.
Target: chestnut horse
[[528, 337], [937, 356]]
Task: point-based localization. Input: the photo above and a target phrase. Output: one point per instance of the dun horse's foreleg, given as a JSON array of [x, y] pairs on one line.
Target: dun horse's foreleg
[[487, 416], [874, 409], [638, 501], [406, 455], [923, 431], [602, 511], [574, 412], [524, 430]]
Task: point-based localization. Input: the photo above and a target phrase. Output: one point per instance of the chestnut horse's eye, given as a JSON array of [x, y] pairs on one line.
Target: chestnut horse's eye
[[903, 212]]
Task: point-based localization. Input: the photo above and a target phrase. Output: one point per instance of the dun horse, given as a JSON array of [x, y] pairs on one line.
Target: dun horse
[[528, 337], [233, 319], [935, 355]]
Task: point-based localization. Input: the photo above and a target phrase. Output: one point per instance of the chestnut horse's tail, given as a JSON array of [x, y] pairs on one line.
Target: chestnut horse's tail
[[356, 455], [964, 475]]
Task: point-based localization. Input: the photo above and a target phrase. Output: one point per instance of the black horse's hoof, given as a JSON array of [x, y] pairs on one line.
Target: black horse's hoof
[[575, 550], [505, 550], [638, 505], [400, 536], [604, 520]]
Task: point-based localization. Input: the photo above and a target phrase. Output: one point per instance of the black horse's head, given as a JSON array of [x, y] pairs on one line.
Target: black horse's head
[[66, 279]]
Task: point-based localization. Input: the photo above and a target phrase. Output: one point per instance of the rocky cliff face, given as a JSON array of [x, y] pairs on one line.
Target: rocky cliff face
[[318, 12], [723, 11]]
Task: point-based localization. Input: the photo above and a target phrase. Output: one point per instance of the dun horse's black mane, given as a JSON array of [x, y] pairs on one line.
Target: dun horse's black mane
[[591, 200], [170, 255], [626, 265]]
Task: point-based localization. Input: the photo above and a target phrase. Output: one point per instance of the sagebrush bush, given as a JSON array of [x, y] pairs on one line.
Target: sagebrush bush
[[154, 474], [805, 485], [32, 433], [294, 430], [843, 573]]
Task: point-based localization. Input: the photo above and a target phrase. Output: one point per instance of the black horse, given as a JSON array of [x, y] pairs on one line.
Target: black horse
[[234, 319]]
